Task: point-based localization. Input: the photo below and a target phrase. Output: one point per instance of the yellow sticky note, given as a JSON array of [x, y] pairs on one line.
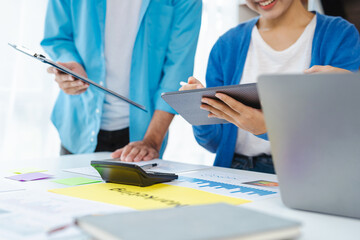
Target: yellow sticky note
[[142, 198], [28, 170]]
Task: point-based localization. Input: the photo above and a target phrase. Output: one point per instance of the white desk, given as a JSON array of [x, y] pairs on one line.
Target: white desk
[[315, 226]]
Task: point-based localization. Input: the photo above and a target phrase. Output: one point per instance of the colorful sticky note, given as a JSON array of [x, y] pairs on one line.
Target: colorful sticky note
[[28, 170], [76, 181], [142, 198], [30, 176], [263, 183]]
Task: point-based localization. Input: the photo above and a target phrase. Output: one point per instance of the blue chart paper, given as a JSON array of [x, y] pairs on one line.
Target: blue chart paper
[[228, 184], [218, 185]]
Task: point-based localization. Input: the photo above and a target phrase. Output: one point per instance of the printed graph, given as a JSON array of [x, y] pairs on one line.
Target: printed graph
[[233, 188], [228, 184]]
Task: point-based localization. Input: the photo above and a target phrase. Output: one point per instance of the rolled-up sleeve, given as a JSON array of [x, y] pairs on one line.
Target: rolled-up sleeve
[[179, 61]]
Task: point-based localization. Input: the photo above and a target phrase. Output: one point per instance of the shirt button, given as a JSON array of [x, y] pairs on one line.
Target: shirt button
[[93, 133], [91, 139], [97, 110], [101, 83]]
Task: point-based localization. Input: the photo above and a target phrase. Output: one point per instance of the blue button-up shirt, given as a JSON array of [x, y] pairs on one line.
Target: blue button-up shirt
[[163, 55]]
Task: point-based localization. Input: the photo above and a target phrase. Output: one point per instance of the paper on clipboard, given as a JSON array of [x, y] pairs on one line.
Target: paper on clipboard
[[68, 71]]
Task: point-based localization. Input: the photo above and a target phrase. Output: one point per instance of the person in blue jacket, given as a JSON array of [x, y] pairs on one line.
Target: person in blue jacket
[[285, 38], [138, 48]]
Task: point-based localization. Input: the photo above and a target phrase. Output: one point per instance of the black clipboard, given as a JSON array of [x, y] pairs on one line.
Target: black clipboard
[[187, 103], [43, 59]]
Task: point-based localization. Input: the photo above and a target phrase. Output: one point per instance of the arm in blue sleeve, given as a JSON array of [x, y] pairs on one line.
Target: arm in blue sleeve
[[209, 136], [179, 63], [263, 136], [58, 39], [345, 47]]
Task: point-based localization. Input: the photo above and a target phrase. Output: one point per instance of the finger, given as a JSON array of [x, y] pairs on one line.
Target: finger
[[221, 106], [74, 91], [51, 70], [70, 90], [81, 86], [193, 80], [212, 115], [80, 92], [232, 103], [314, 69], [71, 84], [69, 65], [55, 71], [151, 155], [73, 66], [193, 83], [117, 153], [131, 156], [214, 112], [141, 155], [191, 87], [126, 151], [64, 78]]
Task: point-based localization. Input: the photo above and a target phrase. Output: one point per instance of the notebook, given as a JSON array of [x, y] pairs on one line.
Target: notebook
[[213, 221]]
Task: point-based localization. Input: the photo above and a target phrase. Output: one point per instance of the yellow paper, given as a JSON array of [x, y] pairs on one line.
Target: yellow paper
[[28, 170], [142, 198]]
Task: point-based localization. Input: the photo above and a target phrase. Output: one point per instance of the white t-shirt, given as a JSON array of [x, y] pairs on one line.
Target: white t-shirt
[[122, 18], [262, 59]]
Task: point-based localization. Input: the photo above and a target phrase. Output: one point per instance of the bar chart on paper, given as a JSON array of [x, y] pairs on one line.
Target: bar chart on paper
[[227, 184]]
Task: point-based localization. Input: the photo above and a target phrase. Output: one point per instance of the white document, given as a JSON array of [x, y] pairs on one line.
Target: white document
[[31, 217], [232, 185], [172, 167], [88, 171], [5, 186], [162, 166]]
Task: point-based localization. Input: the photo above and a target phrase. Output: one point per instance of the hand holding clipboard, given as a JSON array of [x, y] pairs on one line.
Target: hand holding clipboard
[[68, 71], [69, 84]]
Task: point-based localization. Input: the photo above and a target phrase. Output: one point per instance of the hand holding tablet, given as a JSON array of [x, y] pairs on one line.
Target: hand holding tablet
[[188, 101]]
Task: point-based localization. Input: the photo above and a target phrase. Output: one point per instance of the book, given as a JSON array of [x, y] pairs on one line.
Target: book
[[213, 221]]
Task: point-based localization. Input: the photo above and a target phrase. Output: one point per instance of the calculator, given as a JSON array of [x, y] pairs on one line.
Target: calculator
[[130, 174]]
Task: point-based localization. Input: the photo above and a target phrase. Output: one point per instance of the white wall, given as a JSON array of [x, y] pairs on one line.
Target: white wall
[[27, 92], [218, 17]]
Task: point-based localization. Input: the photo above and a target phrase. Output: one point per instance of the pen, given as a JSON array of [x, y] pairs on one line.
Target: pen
[[147, 166], [183, 83], [59, 228]]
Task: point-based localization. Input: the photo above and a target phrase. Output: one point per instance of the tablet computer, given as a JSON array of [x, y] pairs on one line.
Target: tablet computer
[[187, 103], [68, 71]]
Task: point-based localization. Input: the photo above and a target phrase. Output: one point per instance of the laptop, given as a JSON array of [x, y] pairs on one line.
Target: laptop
[[313, 123]]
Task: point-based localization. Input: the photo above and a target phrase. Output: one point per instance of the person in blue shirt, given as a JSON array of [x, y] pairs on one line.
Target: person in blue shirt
[[285, 38], [138, 48]]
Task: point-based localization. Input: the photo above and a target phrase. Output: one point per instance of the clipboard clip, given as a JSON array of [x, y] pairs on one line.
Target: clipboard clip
[[28, 52]]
